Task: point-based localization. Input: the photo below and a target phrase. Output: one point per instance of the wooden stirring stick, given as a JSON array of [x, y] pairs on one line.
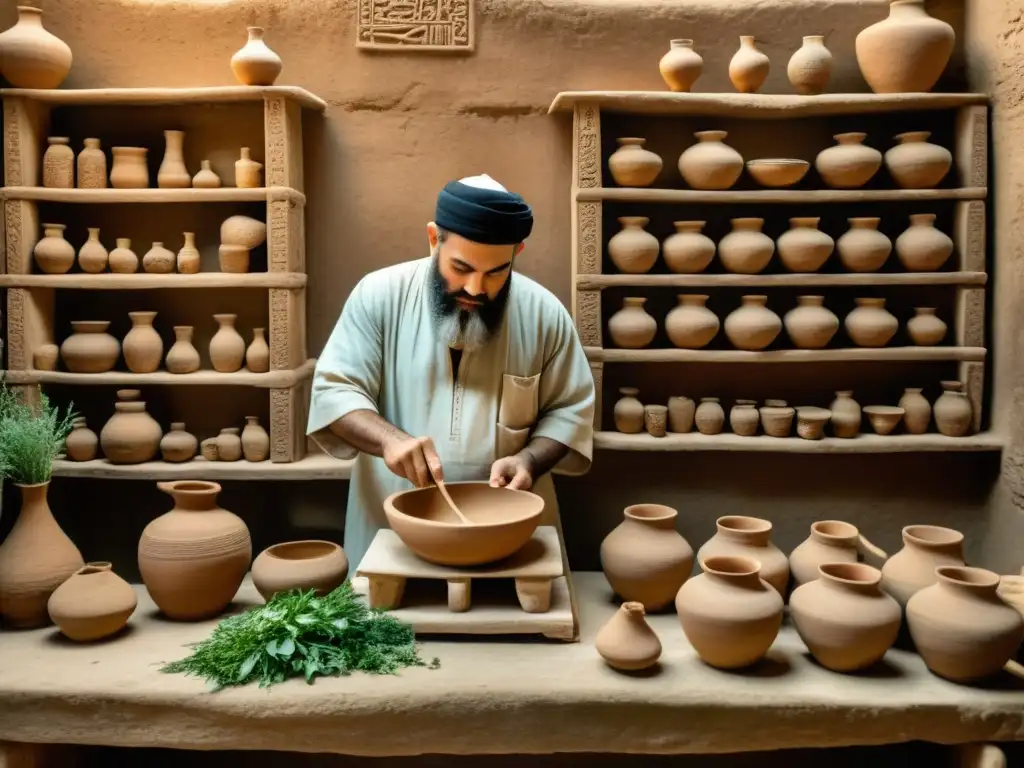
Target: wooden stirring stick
[[447, 497]]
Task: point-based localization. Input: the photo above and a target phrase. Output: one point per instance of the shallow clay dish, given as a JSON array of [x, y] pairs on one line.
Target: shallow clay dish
[[503, 521], [777, 172]]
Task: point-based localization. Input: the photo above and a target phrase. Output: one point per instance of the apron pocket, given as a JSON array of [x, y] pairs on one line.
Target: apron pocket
[[511, 441], [519, 400]]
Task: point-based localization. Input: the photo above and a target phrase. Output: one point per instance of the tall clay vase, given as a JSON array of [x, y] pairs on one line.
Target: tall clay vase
[[311, 564], [633, 249], [227, 347], [746, 250], [54, 254], [189, 260], [633, 166], [631, 327], [748, 68], [810, 68], [92, 166], [691, 325], [627, 641], [831, 541], [848, 164], [257, 354], [681, 66], [688, 250], [182, 357], [142, 346], [730, 615], [254, 63], [193, 558], [32, 57], [130, 436], [741, 536], [906, 52], [129, 169], [255, 440], [710, 163], [752, 326], [93, 604], [925, 548], [844, 618], [961, 627], [172, 173], [645, 559], [35, 558]]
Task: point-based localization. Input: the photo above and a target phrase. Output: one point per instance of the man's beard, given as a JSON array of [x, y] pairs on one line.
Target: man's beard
[[469, 329]]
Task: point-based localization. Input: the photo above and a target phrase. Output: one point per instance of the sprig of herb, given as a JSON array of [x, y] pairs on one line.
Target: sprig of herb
[[31, 436], [297, 633]]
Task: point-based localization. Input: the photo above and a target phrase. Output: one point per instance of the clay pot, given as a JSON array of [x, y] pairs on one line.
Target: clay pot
[[254, 63], [632, 249], [35, 559], [257, 354], [94, 603], [45, 356], [811, 421], [92, 166], [633, 166], [629, 412], [925, 329], [129, 169], [730, 615], [870, 324], [744, 419], [81, 442], [906, 52], [810, 325], [189, 260], [961, 627], [804, 247], [710, 163], [777, 172], [883, 418], [123, 260], [182, 357], [92, 256], [229, 444], [777, 418], [831, 541], [752, 326], [30, 56], [54, 254], [227, 347], [954, 415], [233, 258], [627, 642], [862, 248], [710, 416], [247, 171], [172, 173], [243, 230], [656, 420], [130, 436], [848, 164], [58, 163], [142, 346], [748, 537], [844, 618], [917, 411], [206, 178], [644, 558], [680, 66], [631, 327], [255, 440], [159, 260], [746, 250], [178, 445], [208, 449], [921, 247], [810, 68], [925, 548], [89, 348], [318, 565], [681, 413], [688, 251], [691, 325], [915, 163], [748, 67], [193, 558], [846, 415]]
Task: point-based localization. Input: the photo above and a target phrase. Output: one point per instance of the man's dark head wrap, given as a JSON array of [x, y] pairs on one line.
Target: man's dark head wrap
[[487, 214]]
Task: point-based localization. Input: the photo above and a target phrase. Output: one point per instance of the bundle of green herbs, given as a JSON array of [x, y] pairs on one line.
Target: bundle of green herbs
[[31, 436], [297, 633]]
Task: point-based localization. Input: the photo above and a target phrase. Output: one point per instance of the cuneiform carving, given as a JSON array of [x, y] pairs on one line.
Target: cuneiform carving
[[17, 355], [979, 148], [276, 151], [588, 220], [279, 239], [588, 145], [411, 24], [12, 223], [973, 318], [12, 140], [972, 376], [280, 425], [975, 236], [279, 330], [588, 318]]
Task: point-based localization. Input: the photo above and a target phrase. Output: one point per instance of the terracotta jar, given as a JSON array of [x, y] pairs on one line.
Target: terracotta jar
[[257, 355], [130, 436], [629, 412], [656, 420], [254, 63], [305, 565], [846, 415], [925, 328], [921, 247], [193, 558], [54, 254], [206, 178], [255, 440], [58, 163], [92, 166], [752, 326], [804, 247], [710, 416], [45, 356], [849, 164], [142, 346], [710, 163], [746, 250], [172, 173], [208, 449], [182, 357], [844, 618], [92, 256], [925, 548], [906, 52], [870, 324], [744, 418], [917, 411], [691, 325], [681, 414], [189, 260], [178, 445], [748, 68], [915, 163], [777, 418], [680, 66], [159, 260], [632, 249], [862, 248], [243, 230], [810, 68], [129, 169], [229, 444], [811, 421], [93, 604], [954, 415], [631, 327], [81, 442], [247, 171], [35, 559], [811, 325], [645, 558], [961, 627], [627, 641], [633, 166], [233, 258], [123, 259], [730, 615], [227, 347], [831, 541], [32, 56], [688, 250], [748, 537], [89, 348]]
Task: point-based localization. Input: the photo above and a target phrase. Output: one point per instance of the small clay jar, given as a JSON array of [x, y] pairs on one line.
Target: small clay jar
[[255, 63], [257, 354], [656, 420], [749, 537], [830, 541], [804, 247], [227, 347], [870, 324], [92, 256], [710, 416], [627, 641], [811, 421], [58, 163], [81, 442], [206, 178], [680, 66], [862, 248], [810, 325], [129, 169], [229, 445], [208, 449], [255, 440], [846, 415], [925, 548], [158, 260], [688, 250], [89, 348], [810, 67], [921, 247], [123, 260], [746, 250], [681, 414], [925, 328], [752, 326], [710, 163], [233, 259], [312, 564], [188, 260], [632, 249], [631, 327], [182, 357], [178, 445], [629, 412], [142, 346], [691, 325], [247, 171], [45, 356], [915, 163], [633, 166], [744, 418], [777, 418], [54, 254], [848, 164], [94, 603], [92, 166], [917, 411], [130, 436], [748, 67], [954, 415]]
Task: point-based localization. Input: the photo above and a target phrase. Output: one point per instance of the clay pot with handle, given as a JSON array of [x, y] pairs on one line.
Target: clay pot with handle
[[831, 541]]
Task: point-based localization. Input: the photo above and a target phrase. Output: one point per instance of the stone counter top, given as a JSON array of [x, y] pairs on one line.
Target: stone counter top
[[492, 696]]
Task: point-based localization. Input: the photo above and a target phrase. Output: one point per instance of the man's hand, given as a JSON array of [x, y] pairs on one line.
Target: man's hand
[[513, 472], [413, 458]]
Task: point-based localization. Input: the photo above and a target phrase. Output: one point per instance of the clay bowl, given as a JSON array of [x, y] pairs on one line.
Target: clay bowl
[[503, 521], [883, 418], [810, 422], [779, 172], [309, 564]]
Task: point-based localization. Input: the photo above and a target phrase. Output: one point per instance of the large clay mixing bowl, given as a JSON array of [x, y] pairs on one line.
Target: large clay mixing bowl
[[503, 521]]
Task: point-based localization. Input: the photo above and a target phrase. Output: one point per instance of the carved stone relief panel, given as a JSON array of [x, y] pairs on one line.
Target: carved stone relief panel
[[416, 25]]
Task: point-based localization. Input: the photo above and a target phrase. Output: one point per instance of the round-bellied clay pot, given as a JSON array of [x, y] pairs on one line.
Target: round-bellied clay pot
[[182, 357], [631, 327], [627, 641], [954, 414], [645, 559], [159, 260], [905, 52], [255, 63], [921, 247], [804, 247], [862, 248], [81, 442], [744, 418], [691, 325], [255, 440], [227, 347], [193, 558], [681, 414], [130, 436], [92, 166], [870, 324], [680, 66], [178, 445], [633, 250], [31, 56], [94, 603], [849, 163], [752, 326], [846, 415], [142, 346], [206, 178], [93, 256], [129, 169], [54, 254], [305, 565], [709, 416], [810, 67], [729, 613], [229, 444], [917, 411], [749, 537], [748, 67], [746, 250], [656, 420], [629, 412], [925, 548], [688, 250], [925, 328], [916, 163], [710, 163], [831, 541], [632, 165], [810, 325], [777, 418], [89, 348], [123, 260]]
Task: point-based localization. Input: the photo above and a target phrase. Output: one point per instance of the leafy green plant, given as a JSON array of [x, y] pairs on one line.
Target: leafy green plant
[[31, 437], [297, 633]]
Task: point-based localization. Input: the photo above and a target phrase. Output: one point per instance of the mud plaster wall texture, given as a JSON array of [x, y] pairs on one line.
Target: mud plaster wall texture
[[399, 126]]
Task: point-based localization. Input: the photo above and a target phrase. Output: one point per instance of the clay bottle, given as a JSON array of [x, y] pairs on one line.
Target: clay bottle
[[123, 260], [848, 164], [92, 256], [748, 68], [925, 548], [810, 68], [629, 412], [954, 414], [257, 356], [689, 250], [54, 254], [130, 436], [32, 56], [752, 326], [158, 260], [178, 445], [746, 250], [58, 163], [227, 347], [81, 443], [917, 411], [633, 166], [255, 440], [206, 178], [247, 171], [633, 250], [811, 325], [906, 52], [680, 66], [93, 604], [742, 536], [188, 257], [631, 327], [254, 63], [142, 346], [92, 166], [691, 325], [831, 541], [183, 357], [627, 642], [172, 173]]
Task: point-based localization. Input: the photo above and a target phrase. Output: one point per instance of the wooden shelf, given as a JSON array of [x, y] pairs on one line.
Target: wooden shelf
[[312, 467], [802, 196], [863, 443], [756, 105], [269, 380], [219, 94], [109, 281], [847, 355], [154, 195], [587, 282]]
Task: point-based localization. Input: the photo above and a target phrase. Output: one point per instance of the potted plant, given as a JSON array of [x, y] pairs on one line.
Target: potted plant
[[37, 556]]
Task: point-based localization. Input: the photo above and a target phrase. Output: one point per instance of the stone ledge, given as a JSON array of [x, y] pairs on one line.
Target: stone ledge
[[490, 697]]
